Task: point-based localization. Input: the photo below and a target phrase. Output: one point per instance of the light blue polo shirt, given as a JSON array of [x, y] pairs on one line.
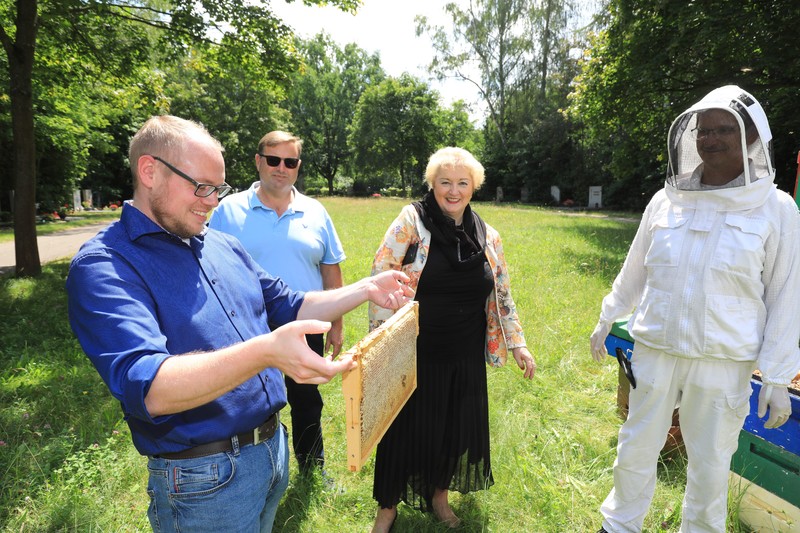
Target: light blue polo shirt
[[291, 246]]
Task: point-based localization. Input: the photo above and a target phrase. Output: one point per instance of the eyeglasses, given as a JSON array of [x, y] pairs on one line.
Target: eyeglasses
[[203, 190], [723, 131], [625, 363], [274, 161]]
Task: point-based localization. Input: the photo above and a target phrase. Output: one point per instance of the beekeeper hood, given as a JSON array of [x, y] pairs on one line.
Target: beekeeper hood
[[723, 145]]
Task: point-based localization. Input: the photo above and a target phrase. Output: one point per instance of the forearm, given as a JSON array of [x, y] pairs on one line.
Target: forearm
[[779, 357], [187, 381], [330, 305], [332, 278]]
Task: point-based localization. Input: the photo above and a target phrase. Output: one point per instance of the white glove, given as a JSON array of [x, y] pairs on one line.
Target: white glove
[[780, 407], [598, 341]]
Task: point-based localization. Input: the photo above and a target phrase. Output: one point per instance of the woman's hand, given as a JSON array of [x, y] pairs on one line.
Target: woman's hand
[[524, 361], [389, 289]]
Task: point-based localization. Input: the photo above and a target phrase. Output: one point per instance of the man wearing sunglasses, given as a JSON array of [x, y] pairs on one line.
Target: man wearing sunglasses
[[178, 320], [292, 237], [712, 279]]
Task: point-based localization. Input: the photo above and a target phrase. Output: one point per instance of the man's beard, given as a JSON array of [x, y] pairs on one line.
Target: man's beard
[[169, 222]]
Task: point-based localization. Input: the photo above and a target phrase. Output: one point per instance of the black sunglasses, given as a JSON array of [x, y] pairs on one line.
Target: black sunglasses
[[203, 190], [274, 161], [625, 363]]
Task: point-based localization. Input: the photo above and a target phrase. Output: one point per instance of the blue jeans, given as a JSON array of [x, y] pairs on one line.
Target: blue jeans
[[236, 491]]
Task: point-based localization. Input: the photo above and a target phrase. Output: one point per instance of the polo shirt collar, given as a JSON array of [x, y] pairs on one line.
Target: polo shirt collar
[[299, 203]]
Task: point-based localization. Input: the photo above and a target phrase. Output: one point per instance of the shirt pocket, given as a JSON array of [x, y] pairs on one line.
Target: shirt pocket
[[733, 326], [651, 317], [668, 231], [741, 246]]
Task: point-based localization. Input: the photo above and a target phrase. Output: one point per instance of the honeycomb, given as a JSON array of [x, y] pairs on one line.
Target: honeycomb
[[380, 385]]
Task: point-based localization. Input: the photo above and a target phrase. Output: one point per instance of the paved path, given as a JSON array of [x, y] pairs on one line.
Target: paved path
[[53, 246]]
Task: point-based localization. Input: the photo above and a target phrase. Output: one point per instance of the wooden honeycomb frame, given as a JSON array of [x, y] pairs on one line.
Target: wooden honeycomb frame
[[378, 388]]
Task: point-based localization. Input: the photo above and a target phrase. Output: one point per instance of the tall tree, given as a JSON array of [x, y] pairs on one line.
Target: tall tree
[[458, 129], [517, 52], [396, 129], [250, 25], [227, 91], [20, 47], [323, 101], [487, 49]]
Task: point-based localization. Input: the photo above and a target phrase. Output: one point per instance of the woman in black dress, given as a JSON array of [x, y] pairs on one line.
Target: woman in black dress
[[440, 440]]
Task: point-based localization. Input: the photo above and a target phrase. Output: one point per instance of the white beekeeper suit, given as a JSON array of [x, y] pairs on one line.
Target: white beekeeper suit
[[712, 277]]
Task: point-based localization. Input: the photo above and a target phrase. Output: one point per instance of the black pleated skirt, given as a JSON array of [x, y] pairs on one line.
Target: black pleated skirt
[[440, 439]]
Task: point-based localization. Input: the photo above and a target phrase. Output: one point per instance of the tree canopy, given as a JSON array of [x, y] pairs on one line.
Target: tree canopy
[[651, 60], [571, 100], [117, 39]]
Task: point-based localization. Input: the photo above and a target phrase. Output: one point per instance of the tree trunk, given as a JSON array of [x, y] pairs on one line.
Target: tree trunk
[[545, 51], [20, 60]]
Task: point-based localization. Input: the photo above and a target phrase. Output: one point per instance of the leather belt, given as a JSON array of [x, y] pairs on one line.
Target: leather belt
[[263, 432]]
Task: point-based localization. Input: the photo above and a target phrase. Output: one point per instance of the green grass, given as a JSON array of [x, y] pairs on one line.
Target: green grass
[[67, 462], [74, 220]]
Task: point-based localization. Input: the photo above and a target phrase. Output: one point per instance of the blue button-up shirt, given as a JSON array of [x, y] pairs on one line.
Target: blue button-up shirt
[[138, 294]]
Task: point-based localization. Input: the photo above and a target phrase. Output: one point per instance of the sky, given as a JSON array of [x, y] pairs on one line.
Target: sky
[[386, 27]]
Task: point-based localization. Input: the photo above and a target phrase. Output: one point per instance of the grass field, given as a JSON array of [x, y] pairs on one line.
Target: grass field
[[67, 462]]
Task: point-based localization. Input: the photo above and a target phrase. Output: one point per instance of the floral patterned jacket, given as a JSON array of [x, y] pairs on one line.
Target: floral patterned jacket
[[503, 329]]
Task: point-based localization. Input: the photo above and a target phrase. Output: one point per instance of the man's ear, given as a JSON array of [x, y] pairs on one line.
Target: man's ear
[[146, 168], [751, 134]]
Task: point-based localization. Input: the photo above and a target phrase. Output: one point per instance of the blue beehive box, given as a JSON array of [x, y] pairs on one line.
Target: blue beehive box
[[619, 338], [787, 436]]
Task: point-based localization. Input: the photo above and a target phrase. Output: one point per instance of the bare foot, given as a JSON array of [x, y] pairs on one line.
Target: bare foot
[[442, 510], [384, 520]]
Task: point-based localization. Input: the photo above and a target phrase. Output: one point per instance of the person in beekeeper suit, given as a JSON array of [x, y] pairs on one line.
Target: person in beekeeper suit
[[712, 278]]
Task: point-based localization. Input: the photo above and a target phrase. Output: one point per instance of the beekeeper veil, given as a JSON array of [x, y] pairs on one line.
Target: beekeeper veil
[[722, 141]]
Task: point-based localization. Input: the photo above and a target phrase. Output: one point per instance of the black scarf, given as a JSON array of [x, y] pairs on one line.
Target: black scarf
[[462, 245]]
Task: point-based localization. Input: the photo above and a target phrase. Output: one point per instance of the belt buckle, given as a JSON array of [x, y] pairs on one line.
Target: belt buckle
[[256, 436]]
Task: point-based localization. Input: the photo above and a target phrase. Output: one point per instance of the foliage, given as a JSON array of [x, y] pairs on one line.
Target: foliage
[[520, 54], [323, 99], [102, 67], [651, 60], [102, 40], [395, 130], [458, 130], [489, 41], [227, 91]]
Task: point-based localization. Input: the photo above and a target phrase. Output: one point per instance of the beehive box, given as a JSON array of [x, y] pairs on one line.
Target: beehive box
[[788, 435], [765, 481]]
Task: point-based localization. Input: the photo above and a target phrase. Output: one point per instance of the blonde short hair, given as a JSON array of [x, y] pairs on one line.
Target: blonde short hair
[[274, 138], [453, 157], [164, 136]]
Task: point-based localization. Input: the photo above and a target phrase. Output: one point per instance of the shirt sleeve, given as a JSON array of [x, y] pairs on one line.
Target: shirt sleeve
[[334, 251], [115, 323], [390, 255], [512, 328], [627, 289], [779, 358]]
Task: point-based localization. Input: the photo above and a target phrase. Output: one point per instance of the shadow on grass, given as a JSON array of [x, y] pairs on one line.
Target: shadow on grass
[[608, 248], [54, 403]]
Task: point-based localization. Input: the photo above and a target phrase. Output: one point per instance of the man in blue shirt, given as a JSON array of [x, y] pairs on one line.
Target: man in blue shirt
[[180, 323], [292, 237]]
